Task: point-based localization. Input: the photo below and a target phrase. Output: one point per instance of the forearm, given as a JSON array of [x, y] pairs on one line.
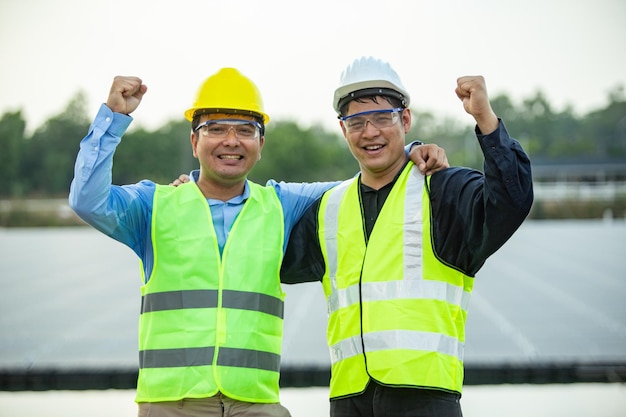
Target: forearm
[[507, 170], [506, 195], [487, 123]]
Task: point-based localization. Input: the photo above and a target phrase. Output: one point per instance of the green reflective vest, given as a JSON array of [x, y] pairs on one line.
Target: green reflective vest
[[211, 324], [396, 313]]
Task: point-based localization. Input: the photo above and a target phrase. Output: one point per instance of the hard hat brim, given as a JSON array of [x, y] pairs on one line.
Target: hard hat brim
[[193, 112], [349, 92]]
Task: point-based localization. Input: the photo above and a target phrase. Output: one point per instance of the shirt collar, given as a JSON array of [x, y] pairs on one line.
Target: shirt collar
[[238, 199], [365, 188]]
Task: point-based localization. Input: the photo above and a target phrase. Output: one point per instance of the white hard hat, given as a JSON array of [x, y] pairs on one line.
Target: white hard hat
[[369, 76]]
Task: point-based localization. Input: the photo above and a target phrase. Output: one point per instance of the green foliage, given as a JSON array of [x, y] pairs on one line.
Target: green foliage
[[48, 158], [458, 140], [606, 128], [293, 154], [160, 155], [42, 164], [12, 127], [555, 135]]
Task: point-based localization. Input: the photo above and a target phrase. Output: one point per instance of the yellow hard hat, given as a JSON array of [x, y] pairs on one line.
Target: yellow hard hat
[[228, 91]]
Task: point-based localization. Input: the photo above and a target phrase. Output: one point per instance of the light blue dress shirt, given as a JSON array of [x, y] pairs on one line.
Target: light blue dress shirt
[[125, 212]]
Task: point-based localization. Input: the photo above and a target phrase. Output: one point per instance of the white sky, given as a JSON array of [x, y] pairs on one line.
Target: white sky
[[572, 50]]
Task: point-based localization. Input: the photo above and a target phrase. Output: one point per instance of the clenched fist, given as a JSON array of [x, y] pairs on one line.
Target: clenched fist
[[472, 91], [126, 94]]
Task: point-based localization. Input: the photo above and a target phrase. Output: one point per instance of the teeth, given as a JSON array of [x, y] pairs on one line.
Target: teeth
[[230, 157], [373, 147]]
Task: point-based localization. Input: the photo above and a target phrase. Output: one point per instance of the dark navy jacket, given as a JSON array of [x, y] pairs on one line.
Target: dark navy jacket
[[473, 213]]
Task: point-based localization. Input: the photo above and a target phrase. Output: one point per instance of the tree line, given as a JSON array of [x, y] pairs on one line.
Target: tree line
[[41, 164]]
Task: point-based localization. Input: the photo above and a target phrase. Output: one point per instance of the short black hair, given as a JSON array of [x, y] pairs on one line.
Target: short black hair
[[396, 100]]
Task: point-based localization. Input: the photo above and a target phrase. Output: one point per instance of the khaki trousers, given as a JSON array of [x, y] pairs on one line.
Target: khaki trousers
[[216, 406]]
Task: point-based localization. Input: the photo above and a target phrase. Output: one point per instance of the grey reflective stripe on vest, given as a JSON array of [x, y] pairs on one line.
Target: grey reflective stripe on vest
[[330, 229], [176, 300], [242, 358], [391, 290], [396, 339], [255, 301], [172, 358], [413, 221]]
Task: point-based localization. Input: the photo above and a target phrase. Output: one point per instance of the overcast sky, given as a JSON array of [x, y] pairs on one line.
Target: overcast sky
[[572, 50]]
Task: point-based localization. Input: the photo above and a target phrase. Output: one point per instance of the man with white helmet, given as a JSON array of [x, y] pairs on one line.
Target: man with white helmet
[[210, 329], [397, 251]]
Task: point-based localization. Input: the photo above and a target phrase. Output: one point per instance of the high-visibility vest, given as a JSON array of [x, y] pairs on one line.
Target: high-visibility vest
[[396, 313], [211, 324]]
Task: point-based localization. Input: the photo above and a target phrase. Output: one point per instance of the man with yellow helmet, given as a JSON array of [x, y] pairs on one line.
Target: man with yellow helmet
[[210, 329], [397, 251]]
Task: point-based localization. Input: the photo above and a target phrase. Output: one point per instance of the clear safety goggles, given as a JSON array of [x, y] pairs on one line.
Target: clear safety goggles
[[220, 128], [380, 119]]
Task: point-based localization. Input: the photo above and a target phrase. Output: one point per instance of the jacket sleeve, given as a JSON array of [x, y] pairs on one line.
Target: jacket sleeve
[[475, 213]]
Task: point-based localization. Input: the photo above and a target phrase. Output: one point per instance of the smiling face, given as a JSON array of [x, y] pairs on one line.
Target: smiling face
[[380, 151], [225, 161]]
